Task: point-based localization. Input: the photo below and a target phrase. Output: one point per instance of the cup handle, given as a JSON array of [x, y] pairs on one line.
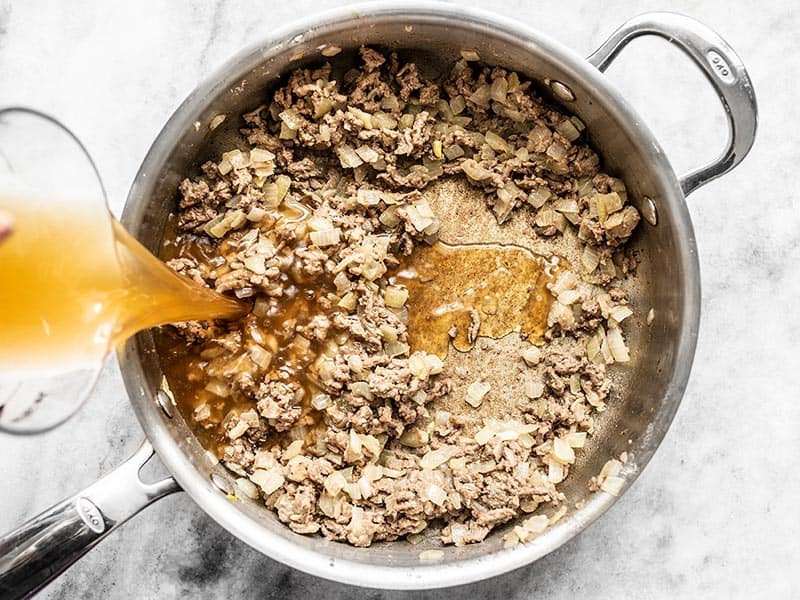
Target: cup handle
[[722, 67], [38, 551]]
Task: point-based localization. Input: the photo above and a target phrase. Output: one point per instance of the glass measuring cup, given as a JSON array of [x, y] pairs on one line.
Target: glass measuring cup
[[43, 163], [73, 283]]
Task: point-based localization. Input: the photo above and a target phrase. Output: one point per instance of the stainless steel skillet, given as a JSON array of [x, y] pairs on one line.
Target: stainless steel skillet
[[39, 550]]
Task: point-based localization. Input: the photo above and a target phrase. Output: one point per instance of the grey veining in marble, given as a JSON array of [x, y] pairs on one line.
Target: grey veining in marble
[[714, 515]]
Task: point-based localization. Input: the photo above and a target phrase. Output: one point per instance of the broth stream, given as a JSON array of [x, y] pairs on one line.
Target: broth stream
[[75, 284]]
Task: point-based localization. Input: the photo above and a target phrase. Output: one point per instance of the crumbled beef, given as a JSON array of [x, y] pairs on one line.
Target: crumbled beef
[[279, 403], [618, 295], [591, 315], [324, 409], [187, 267], [409, 80], [620, 226], [316, 329], [296, 507], [195, 332], [240, 453], [372, 58]]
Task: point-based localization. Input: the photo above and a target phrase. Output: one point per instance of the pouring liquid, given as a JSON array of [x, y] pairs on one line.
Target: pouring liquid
[[75, 284]]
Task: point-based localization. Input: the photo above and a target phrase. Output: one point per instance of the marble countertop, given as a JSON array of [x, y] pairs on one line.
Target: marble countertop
[[715, 512]]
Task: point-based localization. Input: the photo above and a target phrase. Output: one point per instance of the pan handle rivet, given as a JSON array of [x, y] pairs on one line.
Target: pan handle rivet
[[222, 484], [562, 91], [164, 401], [649, 211]]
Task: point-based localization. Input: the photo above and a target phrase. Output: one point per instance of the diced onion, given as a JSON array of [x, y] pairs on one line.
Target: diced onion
[[367, 154], [271, 195], [389, 217], [256, 264], [555, 472], [381, 120], [330, 50], [417, 365], [260, 155], [499, 90], [531, 355], [538, 196], [562, 451], [202, 412], [334, 483], [260, 356], [283, 182], [556, 151], [484, 435], [436, 494], [348, 301], [589, 259], [612, 485], [414, 438], [576, 439], [533, 389], [616, 344], [620, 313], [474, 171], [453, 152], [364, 117], [476, 392], [218, 388], [216, 122], [268, 480], [496, 142], [481, 96], [348, 157], [293, 449], [568, 130], [393, 349], [354, 363], [256, 214], [568, 297], [330, 237], [360, 389], [531, 527], [247, 488], [321, 401], [457, 105], [395, 296], [238, 430], [329, 506], [368, 197], [319, 224], [433, 459], [291, 118], [420, 221], [431, 555]]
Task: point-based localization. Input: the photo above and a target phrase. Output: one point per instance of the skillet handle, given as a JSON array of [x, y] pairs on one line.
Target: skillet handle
[[721, 66], [37, 552]]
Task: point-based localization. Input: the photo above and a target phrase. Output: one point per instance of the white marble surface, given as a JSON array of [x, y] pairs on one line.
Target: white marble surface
[[715, 514]]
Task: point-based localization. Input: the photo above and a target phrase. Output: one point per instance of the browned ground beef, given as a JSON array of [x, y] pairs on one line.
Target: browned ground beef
[[331, 426]]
